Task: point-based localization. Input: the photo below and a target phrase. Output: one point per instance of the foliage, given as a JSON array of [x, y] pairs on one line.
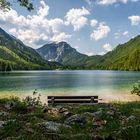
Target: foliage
[[5, 4], [24, 115], [136, 89], [14, 55], [123, 57]]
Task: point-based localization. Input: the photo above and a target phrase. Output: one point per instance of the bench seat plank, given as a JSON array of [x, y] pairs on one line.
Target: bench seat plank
[[72, 97], [72, 101]]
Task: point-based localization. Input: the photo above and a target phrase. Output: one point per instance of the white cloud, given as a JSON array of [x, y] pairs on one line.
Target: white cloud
[[107, 47], [120, 33], [101, 32], [102, 53], [76, 17], [93, 22], [43, 9], [125, 33], [56, 24], [135, 20], [117, 35], [34, 30], [60, 37], [76, 47], [89, 2], [89, 53], [106, 2], [135, 0], [109, 2]]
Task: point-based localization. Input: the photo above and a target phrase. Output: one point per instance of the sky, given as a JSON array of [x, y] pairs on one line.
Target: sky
[[93, 27]]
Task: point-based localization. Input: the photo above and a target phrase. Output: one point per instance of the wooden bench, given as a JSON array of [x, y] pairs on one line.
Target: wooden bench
[[71, 99]]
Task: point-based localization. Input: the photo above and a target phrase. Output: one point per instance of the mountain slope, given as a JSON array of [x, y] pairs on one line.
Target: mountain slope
[[63, 53], [123, 57], [19, 56], [15, 55]]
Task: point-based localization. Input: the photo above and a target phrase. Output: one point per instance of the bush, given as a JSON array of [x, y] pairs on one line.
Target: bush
[[136, 89]]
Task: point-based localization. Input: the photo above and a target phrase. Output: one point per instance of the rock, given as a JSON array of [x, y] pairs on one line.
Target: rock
[[138, 126], [76, 119], [131, 118], [2, 124], [4, 114], [45, 110], [100, 123], [62, 110], [10, 105], [99, 128], [54, 111], [98, 138], [98, 113], [110, 113], [125, 120], [113, 108], [30, 130], [59, 111], [28, 124], [100, 109], [123, 117], [53, 126], [75, 136], [88, 114], [67, 114]]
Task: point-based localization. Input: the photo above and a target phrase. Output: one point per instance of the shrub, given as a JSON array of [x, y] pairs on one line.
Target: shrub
[[136, 89]]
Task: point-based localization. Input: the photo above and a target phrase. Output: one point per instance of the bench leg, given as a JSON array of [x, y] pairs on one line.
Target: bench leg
[[53, 100]]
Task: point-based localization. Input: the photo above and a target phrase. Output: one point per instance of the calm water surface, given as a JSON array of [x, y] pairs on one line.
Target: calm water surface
[[67, 82]]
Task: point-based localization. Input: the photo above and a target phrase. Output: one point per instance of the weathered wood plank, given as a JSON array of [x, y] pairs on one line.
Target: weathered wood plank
[[72, 97], [71, 101]]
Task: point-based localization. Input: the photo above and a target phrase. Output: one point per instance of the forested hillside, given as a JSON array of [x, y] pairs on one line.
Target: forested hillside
[[14, 55], [123, 57]]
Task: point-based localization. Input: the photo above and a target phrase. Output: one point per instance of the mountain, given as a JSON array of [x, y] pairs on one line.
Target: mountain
[[15, 55], [63, 53], [123, 57]]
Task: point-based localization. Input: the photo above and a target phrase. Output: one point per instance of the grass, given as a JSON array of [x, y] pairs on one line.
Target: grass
[[23, 116]]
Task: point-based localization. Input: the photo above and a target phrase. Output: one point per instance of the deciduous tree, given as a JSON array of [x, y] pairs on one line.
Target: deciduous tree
[[5, 4]]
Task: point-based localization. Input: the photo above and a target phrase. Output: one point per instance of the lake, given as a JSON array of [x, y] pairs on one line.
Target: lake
[[102, 83]]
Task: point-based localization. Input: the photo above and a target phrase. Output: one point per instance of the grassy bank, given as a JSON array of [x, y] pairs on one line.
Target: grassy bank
[[29, 119]]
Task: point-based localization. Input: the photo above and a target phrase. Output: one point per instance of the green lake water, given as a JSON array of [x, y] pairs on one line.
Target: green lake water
[[67, 82]]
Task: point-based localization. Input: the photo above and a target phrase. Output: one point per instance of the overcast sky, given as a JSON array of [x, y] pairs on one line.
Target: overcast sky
[[90, 26]]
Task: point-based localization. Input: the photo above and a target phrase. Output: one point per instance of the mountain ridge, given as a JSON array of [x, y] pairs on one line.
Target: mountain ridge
[[14, 55], [62, 52], [123, 57], [13, 52]]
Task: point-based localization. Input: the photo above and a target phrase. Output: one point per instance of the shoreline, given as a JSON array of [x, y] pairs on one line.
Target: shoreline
[[109, 98]]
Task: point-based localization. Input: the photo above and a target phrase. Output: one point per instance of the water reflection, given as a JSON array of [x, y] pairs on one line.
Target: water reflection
[[68, 82]]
